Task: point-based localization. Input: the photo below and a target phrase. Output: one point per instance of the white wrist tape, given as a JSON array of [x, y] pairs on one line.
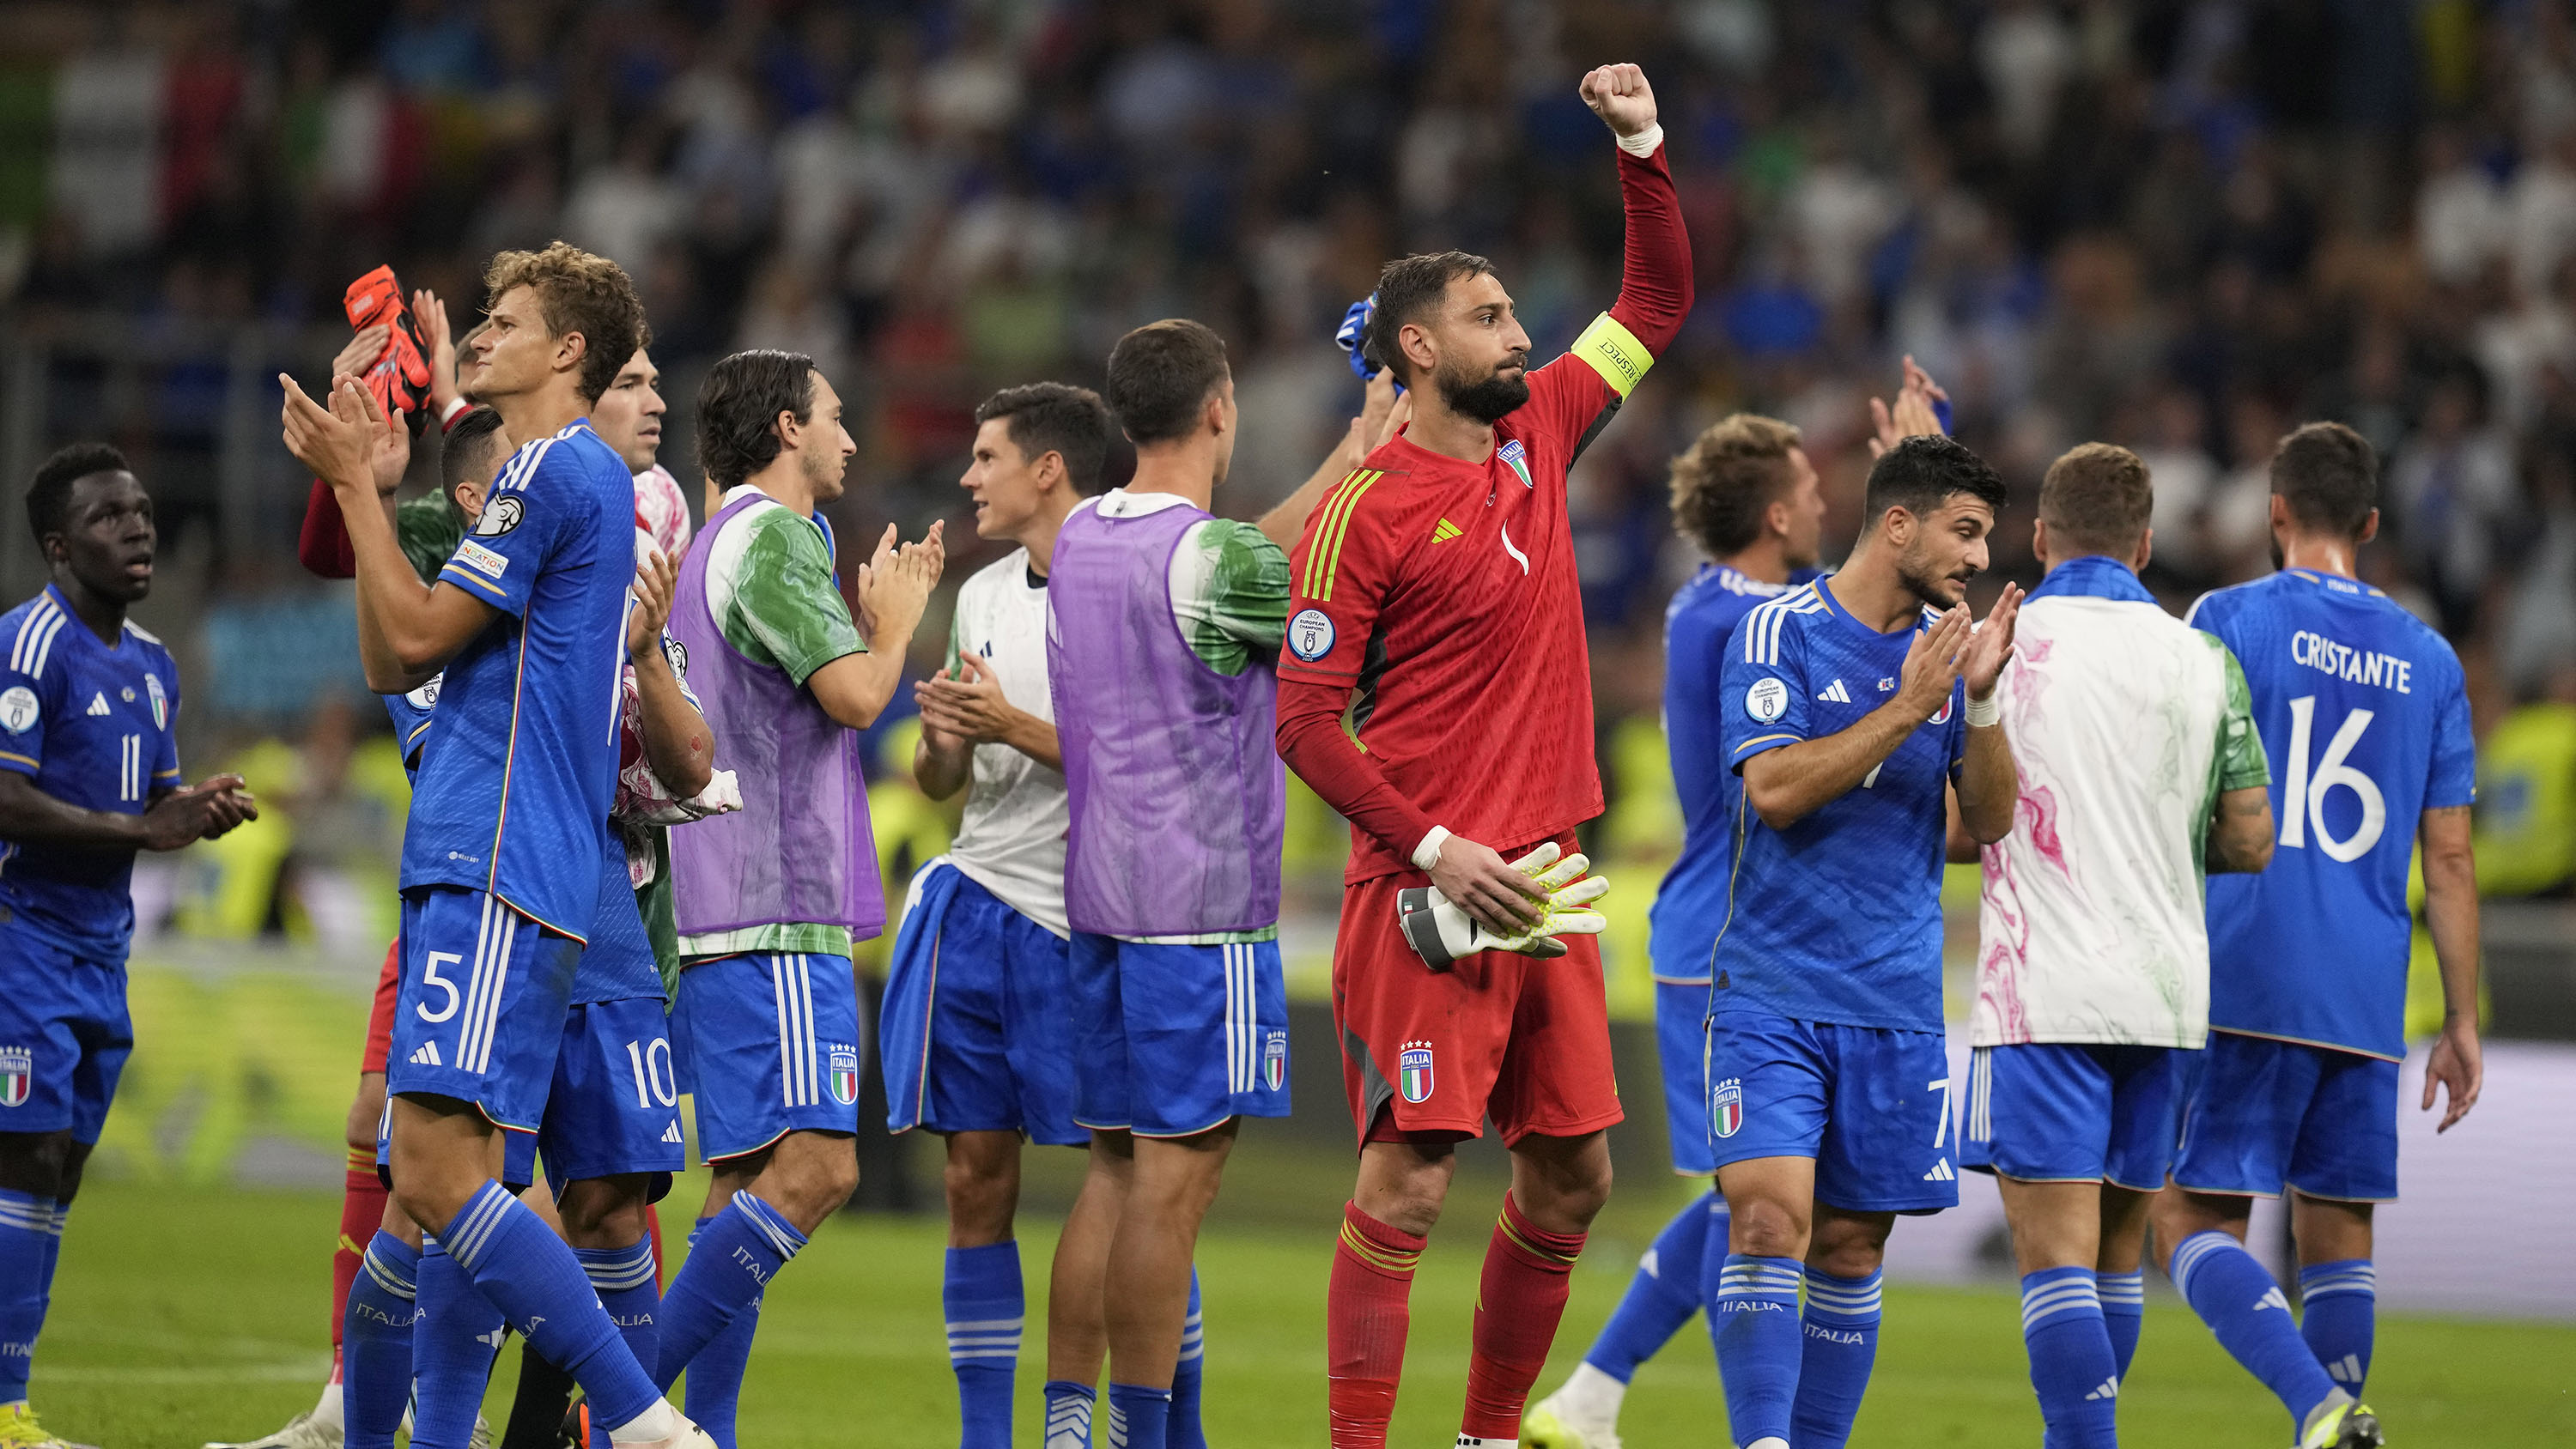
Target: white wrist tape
[[1643, 143], [1427, 853], [1987, 711]]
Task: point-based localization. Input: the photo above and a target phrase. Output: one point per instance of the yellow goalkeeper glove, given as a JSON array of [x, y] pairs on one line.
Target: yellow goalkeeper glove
[[1440, 931]]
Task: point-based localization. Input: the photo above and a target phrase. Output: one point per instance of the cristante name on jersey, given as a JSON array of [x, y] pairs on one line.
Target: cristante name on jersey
[[2353, 666]]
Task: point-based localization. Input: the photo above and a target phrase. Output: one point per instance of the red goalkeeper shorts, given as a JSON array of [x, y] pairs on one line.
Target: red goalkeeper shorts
[[1521, 1039], [380, 1021]]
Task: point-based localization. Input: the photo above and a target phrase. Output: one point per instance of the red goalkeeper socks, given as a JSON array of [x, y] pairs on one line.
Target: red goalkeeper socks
[[1518, 1303], [362, 1210], [1366, 1317]]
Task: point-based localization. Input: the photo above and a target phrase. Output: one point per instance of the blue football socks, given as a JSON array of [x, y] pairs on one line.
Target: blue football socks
[[629, 1287], [2237, 1298], [732, 1258], [1068, 1414], [980, 1295], [375, 1343], [1754, 1324], [1186, 1431], [1841, 1342], [1664, 1293], [523, 1269], [2338, 1304], [1139, 1417], [29, 1229], [453, 1342], [2071, 1364], [2124, 1313]]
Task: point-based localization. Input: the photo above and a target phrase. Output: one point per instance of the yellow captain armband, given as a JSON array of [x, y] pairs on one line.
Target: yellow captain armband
[[1614, 352]]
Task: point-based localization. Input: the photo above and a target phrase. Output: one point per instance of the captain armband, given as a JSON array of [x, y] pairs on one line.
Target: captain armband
[[1614, 352]]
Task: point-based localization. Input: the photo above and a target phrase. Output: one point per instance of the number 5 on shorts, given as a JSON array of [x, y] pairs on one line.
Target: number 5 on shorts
[[429, 977]]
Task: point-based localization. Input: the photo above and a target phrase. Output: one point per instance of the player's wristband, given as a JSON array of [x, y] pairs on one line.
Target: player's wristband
[[1643, 144], [457, 407], [1986, 712], [1427, 853]]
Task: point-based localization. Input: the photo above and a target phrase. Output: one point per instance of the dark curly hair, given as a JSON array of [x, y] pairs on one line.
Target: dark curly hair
[[1921, 473], [49, 498]]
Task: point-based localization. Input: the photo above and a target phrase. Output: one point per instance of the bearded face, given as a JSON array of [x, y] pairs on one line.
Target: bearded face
[[1486, 393]]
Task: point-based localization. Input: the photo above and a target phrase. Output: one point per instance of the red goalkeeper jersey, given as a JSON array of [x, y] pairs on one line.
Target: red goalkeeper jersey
[[1438, 600]]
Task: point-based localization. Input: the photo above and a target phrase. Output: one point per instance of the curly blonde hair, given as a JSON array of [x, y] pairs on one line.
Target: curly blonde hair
[[578, 292]]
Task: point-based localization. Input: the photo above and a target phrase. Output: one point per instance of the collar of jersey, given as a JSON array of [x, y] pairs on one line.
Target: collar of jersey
[[2329, 581], [2093, 576], [1834, 607], [73, 623], [1736, 580]]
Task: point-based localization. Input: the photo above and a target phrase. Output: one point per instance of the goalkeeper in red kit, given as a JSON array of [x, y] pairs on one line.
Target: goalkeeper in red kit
[[1433, 688]]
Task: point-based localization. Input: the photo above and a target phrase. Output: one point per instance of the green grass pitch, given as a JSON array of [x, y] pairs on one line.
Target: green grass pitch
[[184, 1315]]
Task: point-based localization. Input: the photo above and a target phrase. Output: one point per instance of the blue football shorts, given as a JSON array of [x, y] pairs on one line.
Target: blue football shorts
[[768, 1045], [518, 1154], [2073, 1112], [1173, 1040], [1681, 1049], [480, 1013], [974, 1035], [615, 1108], [1870, 1105], [2259, 1113], [64, 1035]]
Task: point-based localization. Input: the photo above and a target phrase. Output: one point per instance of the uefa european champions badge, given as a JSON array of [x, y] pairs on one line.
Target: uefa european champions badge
[[1310, 635], [160, 701], [1767, 700], [1274, 1061], [17, 1075], [1413, 1071], [1726, 1107], [1517, 457], [18, 709], [845, 1076]]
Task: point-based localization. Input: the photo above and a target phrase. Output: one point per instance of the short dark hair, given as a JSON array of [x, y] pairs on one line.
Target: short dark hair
[[1921, 472], [466, 447], [2096, 499], [1408, 288], [738, 408], [1160, 375], [577, 292], [2329, 475], [1051, 417], [49, 498], [1727, 478]]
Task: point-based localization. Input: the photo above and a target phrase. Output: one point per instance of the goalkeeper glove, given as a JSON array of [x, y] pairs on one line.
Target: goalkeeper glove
[[1439, 931]]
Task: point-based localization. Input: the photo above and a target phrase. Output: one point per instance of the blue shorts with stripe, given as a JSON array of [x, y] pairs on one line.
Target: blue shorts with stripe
[[1172, 1040], [1681, 1049], [2073, 1112], [974, 1036], [64, 1034], [613, 1108], [1870, 1104], [480, 1013], [2260, 1113], [768, 1045]]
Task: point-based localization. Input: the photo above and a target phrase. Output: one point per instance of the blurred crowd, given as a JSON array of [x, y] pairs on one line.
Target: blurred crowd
[[2180, 225]]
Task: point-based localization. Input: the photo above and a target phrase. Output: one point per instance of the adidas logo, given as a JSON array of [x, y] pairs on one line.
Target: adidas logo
[[1652, 1265], [2346, 1370], [2272, 1299], [672, 1132], [1836, 693], [98, 704], [427, 1056], [1445, 531], [1941, 1172], [2110, 1390]]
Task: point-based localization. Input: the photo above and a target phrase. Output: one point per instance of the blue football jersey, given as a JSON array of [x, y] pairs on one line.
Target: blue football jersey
[[97, 725], [1837, 918], [516, 781], [1689, 905], [2365, 715]]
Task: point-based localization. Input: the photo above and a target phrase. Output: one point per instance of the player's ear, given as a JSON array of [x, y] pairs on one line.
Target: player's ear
[[2146, 549], [569, 350], [1775, 517], [2039, 540], [2369, 527]]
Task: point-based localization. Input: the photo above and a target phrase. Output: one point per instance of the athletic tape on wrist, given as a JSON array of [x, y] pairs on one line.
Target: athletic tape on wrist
[[1426, 853], [1986, 711]]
